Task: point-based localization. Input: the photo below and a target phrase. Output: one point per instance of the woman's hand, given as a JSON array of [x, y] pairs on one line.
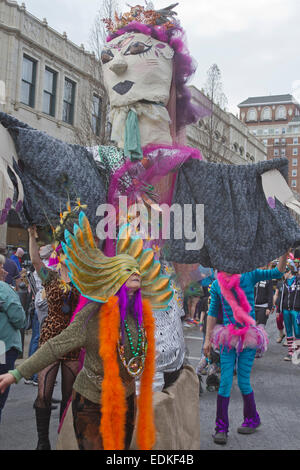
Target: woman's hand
[[5, 381], [32, 232], [207, 348]]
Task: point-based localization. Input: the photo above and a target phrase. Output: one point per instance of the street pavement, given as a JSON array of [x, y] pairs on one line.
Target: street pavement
[[276, 385]]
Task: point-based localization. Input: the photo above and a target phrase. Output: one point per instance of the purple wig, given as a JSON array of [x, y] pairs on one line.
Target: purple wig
[[184, 67], [123, 306]]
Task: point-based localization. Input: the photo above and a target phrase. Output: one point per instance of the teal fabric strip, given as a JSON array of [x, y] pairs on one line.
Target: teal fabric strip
[[132, 144]]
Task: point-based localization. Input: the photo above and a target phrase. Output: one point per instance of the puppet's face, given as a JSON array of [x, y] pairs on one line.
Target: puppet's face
[[137, 67]]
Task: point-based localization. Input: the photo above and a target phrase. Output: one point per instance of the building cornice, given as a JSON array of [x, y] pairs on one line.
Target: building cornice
[[271, 103]]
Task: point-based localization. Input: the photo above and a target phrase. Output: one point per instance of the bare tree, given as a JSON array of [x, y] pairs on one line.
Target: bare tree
[[215, 128], [98, 33], [94, 128]]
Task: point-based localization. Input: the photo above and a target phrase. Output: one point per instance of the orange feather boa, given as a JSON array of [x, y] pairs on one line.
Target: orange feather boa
[[113, 420]]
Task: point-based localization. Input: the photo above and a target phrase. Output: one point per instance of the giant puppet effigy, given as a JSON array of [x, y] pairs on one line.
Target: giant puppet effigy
[[245, 223]]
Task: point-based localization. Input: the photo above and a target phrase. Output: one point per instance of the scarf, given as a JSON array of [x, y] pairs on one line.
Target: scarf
[[113, 421]]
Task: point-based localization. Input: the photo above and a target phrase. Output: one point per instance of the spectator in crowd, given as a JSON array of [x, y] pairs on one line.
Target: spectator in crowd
[[41, 304], [40, 307], [17, 258], [263, 300], [288, 303], [12, 319], [3, 272], [279, 314], [13, 275]]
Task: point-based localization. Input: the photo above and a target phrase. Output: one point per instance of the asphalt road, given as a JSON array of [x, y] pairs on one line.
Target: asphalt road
[[276, 385]]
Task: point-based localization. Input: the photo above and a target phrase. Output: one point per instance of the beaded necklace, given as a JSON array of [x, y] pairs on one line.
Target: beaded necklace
[[135, 365], [134, 352]]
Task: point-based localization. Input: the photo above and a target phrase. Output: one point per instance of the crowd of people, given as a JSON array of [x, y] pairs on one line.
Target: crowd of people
[[94, 310], [272, 289]]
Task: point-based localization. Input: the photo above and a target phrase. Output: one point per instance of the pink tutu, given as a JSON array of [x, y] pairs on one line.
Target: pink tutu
[[253, 337]]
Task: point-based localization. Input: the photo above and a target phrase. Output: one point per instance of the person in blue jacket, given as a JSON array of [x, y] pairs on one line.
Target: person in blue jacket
[[12, 319], [17, 257], [237, 339]]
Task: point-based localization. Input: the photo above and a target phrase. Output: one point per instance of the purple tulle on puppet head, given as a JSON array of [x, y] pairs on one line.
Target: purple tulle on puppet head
[[184, 67]]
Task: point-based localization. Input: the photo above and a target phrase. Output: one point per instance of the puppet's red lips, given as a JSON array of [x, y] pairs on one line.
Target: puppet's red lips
[[123, 87]]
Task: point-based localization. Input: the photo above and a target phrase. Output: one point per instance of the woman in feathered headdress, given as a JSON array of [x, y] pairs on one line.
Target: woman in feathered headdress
[[116, 329]]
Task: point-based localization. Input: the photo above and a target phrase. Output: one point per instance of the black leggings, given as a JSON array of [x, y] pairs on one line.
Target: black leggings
[[46, 383]]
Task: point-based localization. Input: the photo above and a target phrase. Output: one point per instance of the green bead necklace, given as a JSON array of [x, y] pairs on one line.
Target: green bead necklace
[[136, 351]]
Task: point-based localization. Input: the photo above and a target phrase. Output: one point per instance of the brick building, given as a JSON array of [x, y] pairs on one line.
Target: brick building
[[275, 121]]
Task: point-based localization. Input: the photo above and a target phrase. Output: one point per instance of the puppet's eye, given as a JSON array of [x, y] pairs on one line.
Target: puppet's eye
[[137, 48], [106, 56]]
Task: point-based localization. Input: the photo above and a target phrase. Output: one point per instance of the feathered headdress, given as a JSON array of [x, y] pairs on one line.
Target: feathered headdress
[[99, 277], [147, 16]]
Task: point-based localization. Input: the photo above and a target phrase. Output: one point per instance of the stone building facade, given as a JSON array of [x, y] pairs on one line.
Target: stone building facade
[[46, 80], [49, 83]]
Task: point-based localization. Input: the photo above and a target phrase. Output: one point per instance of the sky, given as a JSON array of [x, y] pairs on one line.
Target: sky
[[255, 43]]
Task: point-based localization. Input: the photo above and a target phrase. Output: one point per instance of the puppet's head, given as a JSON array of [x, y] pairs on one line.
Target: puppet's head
[[146, 59]]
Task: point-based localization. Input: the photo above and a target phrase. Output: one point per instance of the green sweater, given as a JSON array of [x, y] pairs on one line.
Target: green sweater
[[82, 333], [12, 317]]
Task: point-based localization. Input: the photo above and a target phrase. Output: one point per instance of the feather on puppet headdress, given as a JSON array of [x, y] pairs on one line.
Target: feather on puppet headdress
[[99, 277]]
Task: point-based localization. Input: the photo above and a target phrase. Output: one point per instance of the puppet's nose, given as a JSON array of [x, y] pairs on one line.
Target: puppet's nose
[[119, 66]]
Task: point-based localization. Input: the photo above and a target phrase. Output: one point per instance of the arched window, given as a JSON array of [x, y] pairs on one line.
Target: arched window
[[266, 114], [280, 113], [252, 115]]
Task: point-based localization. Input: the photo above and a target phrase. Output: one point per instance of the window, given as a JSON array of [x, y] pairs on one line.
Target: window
[[276, 152], [283, 141], [280, 113], [254, 132], [259, 132], [265, 142], [49, 93], [96, 115], [266, 131], [252, 115], [28, 81], [276, 141], [295, 162], [294, 173], [295, 141], [294, 183], [283, 130], [295, 151], [266, 114], [283, 152], [277, 131], [69, 101]]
